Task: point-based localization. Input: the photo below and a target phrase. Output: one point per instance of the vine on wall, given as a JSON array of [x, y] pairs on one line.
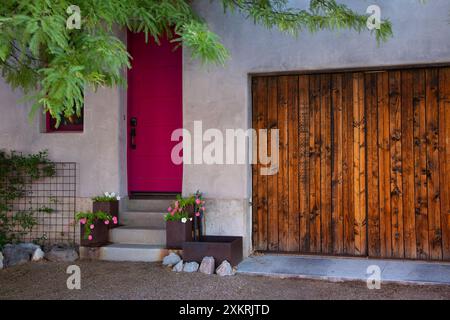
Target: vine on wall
[[16, 171]]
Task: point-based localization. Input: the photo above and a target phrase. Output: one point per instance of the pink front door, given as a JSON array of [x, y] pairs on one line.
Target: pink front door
[[154, 111]]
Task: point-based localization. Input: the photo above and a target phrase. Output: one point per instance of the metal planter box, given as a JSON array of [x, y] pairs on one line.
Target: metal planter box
[[177, 233], [220, 247]]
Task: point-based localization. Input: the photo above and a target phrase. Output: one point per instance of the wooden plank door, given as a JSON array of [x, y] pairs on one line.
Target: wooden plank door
[[364, 164]]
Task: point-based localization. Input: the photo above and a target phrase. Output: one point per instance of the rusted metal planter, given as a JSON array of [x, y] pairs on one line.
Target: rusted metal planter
[[177, 233], [100, 235], [220, 247], [109, 207]]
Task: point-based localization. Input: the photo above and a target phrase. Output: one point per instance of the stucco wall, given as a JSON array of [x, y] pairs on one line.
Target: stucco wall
[[220, 96]]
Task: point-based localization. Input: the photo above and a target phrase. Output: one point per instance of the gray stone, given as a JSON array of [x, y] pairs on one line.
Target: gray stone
[[178, 267], [38, 255], [190, 267], [59, 254], [15, 255], [225, 269], [207, 265], [171, 260], [1, 261]]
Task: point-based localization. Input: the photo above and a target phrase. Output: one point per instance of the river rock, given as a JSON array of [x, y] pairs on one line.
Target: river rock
[[190, 267], [207, 265], [15, 255], [171, 260], [178, 267], [62, 254], [225, 269]]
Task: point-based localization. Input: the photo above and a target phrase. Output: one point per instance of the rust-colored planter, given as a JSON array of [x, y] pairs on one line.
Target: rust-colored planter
[[177, 233], [220, 247], [100, 235], [109, 207]]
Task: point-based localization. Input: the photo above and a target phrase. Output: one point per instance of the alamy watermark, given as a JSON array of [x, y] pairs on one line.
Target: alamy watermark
[[232, 146]]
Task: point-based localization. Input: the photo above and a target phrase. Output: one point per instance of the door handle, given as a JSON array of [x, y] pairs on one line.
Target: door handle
[[133, 124]]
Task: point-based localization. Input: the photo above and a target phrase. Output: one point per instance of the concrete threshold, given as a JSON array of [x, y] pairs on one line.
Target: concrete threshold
[[340, 269]]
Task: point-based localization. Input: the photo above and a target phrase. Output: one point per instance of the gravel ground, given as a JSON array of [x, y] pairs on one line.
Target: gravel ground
[[119, 280]]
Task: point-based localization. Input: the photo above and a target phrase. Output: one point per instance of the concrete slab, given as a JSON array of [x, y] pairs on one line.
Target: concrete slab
[[345, 269]]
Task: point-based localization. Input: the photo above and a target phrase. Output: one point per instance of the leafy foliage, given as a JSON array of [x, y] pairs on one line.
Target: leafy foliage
[[88, 219], [186, 208], [106, 197], [17, 170], [53, 64]]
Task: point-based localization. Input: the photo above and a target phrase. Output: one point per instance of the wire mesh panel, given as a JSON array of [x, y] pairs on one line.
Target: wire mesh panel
[[52, 203]]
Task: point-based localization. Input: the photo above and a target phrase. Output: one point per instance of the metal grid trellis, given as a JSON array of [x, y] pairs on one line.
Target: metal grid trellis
[[53, 203]]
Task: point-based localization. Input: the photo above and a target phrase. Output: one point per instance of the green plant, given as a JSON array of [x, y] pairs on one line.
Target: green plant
[[16, 171], [106, 197], [181, 209], [184, 208], [53, 63], [88, 220]]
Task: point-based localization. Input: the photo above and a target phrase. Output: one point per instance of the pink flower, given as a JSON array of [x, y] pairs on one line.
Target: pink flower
[[92, 226], [169, 209], [106, 222], [90, 238], [83, 221], [173, 212], [203, 209], [198, 201], [114, 220], [177, 204], [197, 214]]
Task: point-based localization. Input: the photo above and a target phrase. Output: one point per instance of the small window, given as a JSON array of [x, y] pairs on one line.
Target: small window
[[71, 124]]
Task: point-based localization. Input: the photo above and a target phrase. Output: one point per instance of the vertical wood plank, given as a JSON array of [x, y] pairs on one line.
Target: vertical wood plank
[[420, 165], [293, 158], [325, 164], [395, 104], [260, 103], [283, 174], [409, 222], [304, 171], [348, 170], [444, 157], [337, 175], [272, 179], [255, 168], [374, 245], [384, 164], [314, 165], [432, 123], [360, 167]]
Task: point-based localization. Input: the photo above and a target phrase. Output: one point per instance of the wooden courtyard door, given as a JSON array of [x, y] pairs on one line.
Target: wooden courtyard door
[[364, 164]]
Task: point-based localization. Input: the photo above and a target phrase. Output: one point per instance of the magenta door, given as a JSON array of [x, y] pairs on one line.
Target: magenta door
[[154, 111]]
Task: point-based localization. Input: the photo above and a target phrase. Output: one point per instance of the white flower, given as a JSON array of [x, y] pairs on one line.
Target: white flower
[[183, 220], [190, 219], [106, 194], [118, 198], [112, 195]]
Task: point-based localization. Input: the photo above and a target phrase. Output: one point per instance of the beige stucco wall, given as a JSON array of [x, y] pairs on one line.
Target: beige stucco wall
[[221, 96]]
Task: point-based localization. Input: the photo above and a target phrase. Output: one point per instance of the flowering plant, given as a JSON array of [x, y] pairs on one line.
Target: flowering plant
[[88, 220], [106, 197], [184, 208]]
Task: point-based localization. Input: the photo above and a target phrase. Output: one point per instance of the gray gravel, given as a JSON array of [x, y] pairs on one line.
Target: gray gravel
[[120, 280]]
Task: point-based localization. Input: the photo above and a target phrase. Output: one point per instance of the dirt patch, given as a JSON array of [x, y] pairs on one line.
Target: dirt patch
[[125, 280]]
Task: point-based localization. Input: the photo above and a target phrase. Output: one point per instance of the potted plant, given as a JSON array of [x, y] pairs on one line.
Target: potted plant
[[94, 228], [179, 222], [108, 203]]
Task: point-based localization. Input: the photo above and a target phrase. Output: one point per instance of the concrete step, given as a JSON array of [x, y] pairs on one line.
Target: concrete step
[[138, 235], [150, 205], [125, 252], [143, 219]]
